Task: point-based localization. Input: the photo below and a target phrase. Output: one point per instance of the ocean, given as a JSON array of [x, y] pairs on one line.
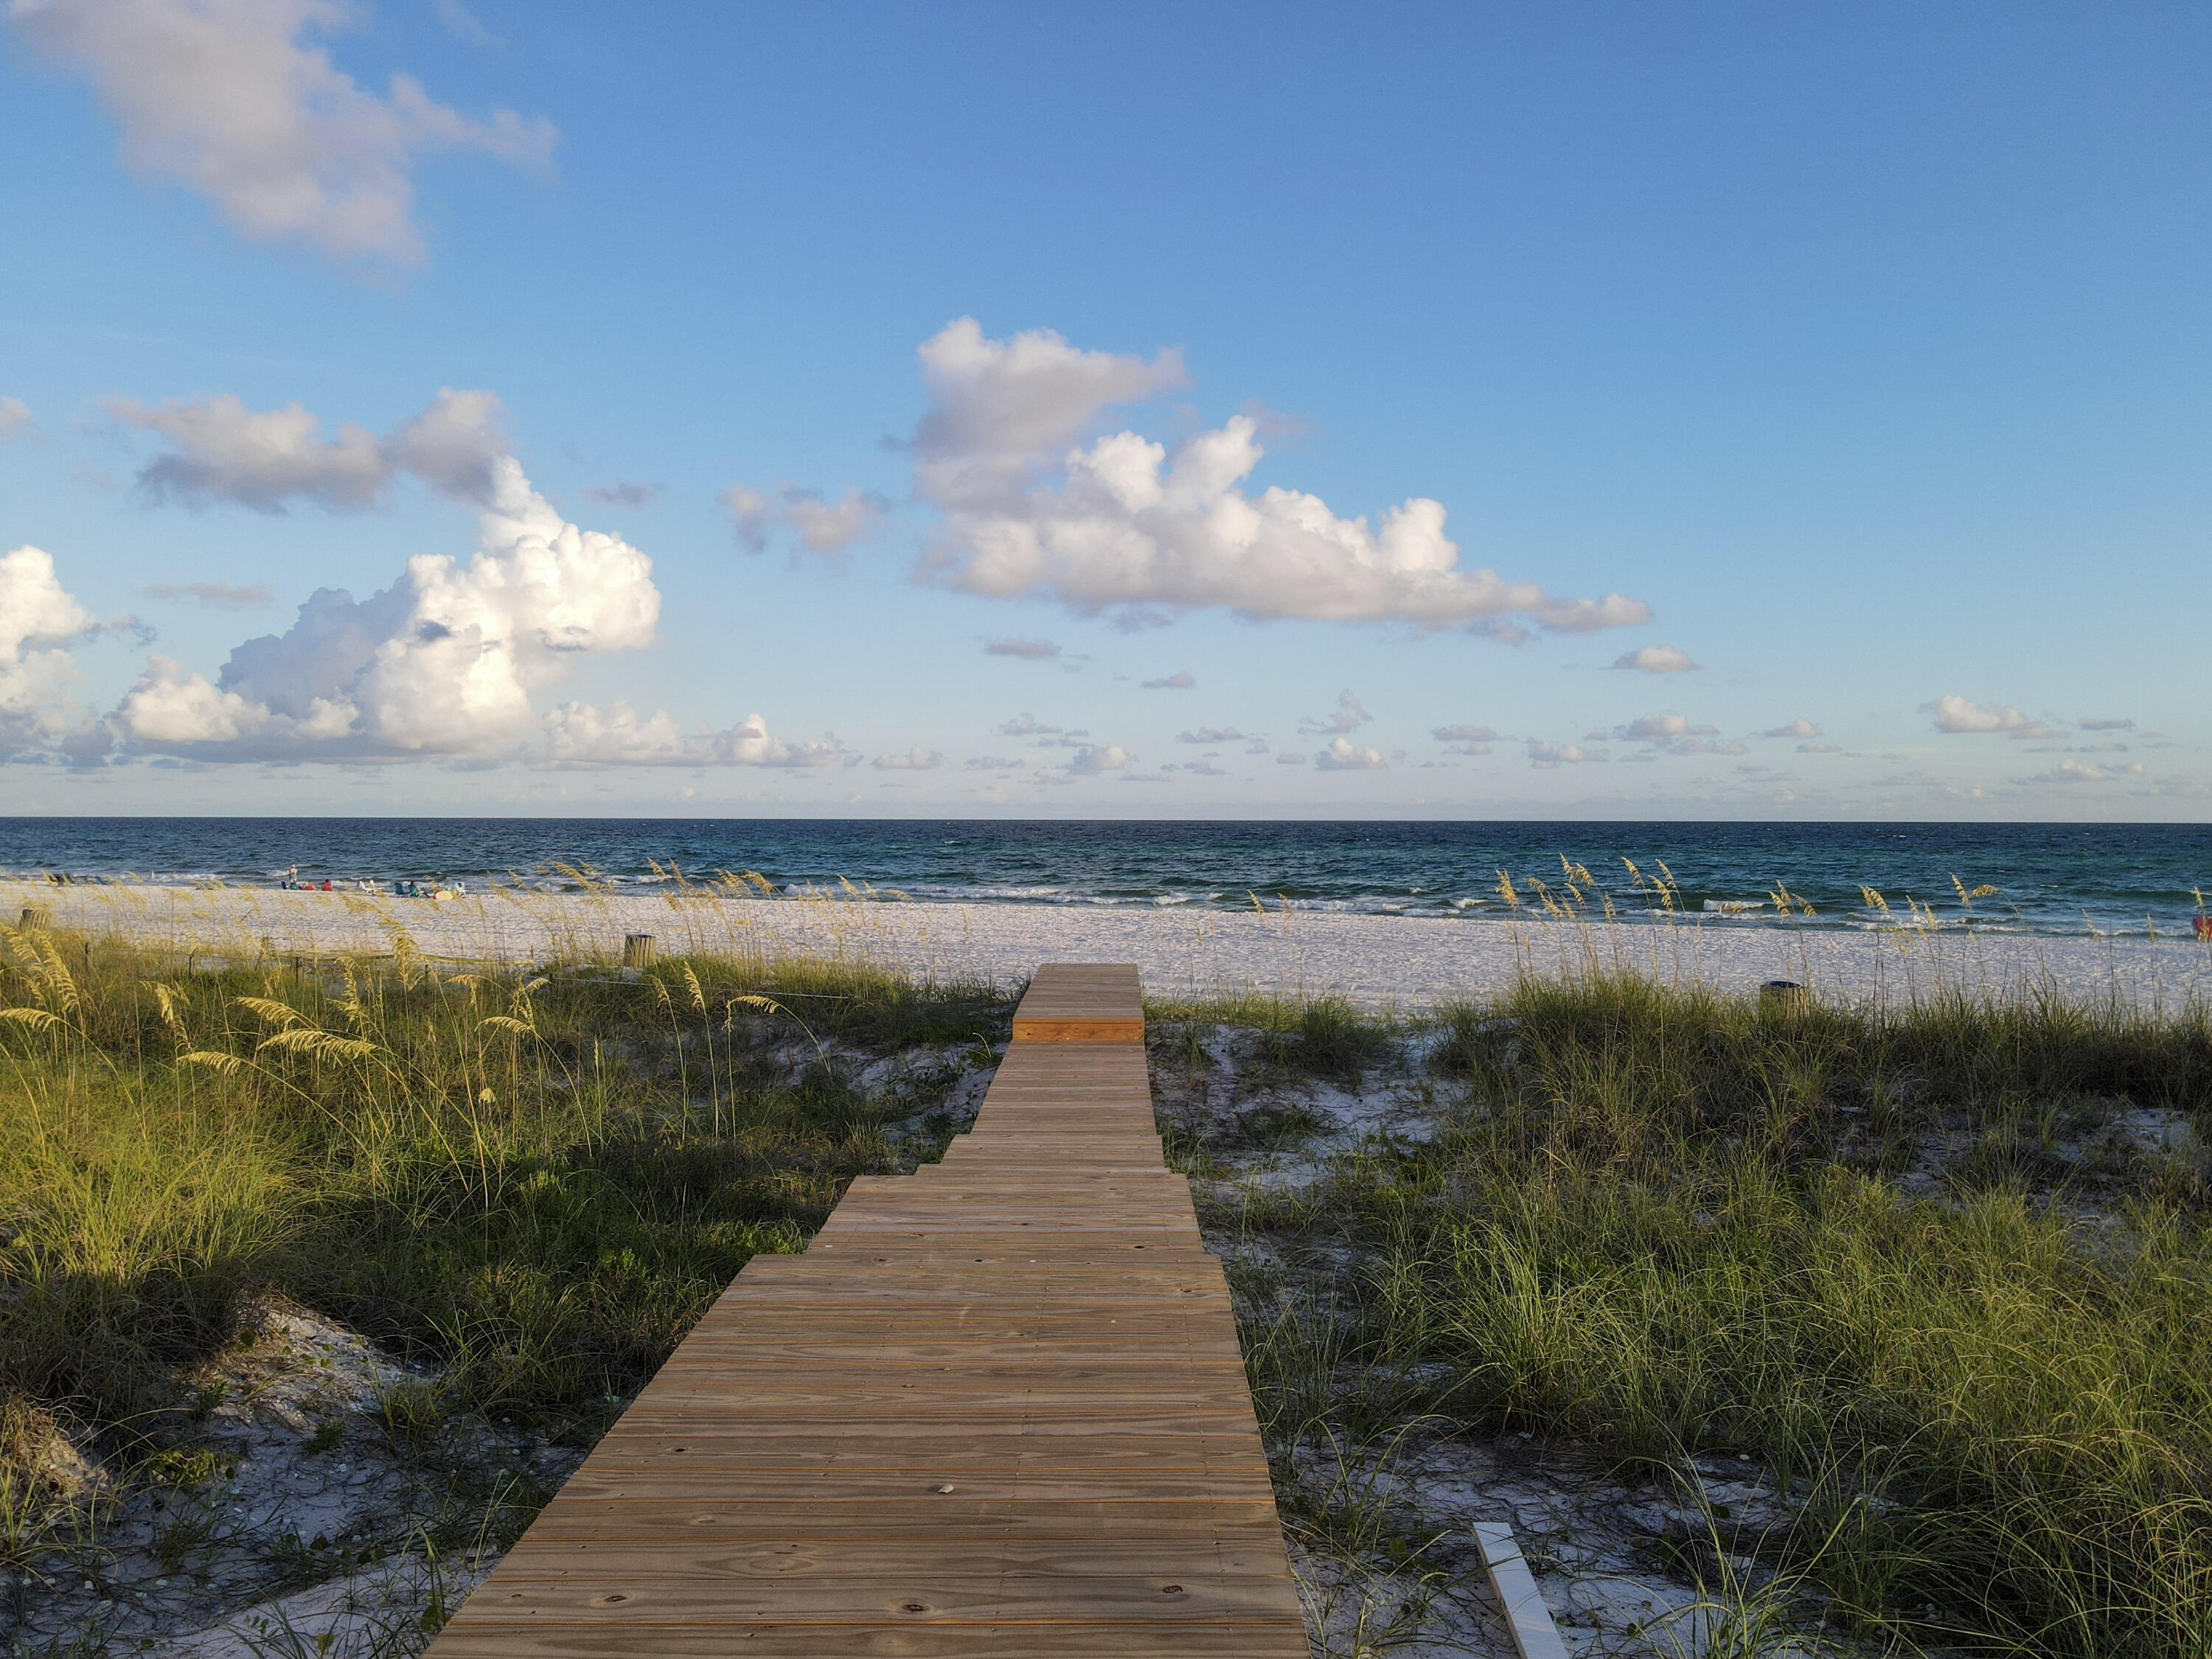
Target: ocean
[[2053, 878]]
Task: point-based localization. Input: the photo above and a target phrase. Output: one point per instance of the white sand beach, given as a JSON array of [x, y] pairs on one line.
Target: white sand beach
[[1378, 961]]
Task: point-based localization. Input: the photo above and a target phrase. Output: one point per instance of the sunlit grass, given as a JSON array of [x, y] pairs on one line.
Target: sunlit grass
[[536, 1181], [1658, 1223]]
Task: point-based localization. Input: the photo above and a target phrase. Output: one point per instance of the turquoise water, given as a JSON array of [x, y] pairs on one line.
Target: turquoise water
[[2051, 879]]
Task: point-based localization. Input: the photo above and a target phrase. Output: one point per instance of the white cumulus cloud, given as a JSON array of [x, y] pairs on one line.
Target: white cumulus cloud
[[1955, 714], [38, 618], [235, 100], [444, 661], [1180, 681], [1120, 523], [1342, 755], [14, 418], [1029, 650], [1547, 757], [1092, 759], [1206, 735], [916, 759], [1654, 728], [1800, 727], [1657, 660]]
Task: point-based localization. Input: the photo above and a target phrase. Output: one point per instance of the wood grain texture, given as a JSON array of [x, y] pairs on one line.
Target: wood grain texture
[[1082, 1002], [995, 1409]]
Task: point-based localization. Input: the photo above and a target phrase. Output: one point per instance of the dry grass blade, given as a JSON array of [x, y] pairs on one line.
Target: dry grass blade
[[276, 1012], [167, 999], [323, 1045]]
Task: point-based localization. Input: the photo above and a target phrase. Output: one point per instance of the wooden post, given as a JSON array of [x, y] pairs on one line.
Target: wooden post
[[637, 950], [36, 918], [1783, 996]]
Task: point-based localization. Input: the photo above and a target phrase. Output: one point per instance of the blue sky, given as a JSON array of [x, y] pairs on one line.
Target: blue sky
[[687, 401]]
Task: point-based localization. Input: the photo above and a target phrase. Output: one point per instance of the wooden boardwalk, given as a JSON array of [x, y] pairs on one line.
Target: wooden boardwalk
[[995, 1411]]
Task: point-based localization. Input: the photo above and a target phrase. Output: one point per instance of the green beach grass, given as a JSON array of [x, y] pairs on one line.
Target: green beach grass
[[535, 1183], [1905, 1261], [1659, 1222]]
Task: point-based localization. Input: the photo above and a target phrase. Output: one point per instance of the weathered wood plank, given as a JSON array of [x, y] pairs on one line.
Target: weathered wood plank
[[995, 1409]]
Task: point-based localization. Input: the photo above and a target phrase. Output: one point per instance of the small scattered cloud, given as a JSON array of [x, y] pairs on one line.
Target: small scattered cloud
[[221, 450], [462, 24], [825, 528], [2074, 771], [1800, 727], [1817, 749], [216, 596], [1342, 755], [241, 103], [1025, 725], [1674, 735], [1657, 660], [916, 759], [1954, 713], [1465, 739], [1350, 716], [828, 527], [1017, 646], [1653, 728], [1547, 757], [14, 419], [993, 763], [623, 495], [1206, 768], [1210, 735], [1093, 759], [1291, 758], [1180, 681], [751, 513], [2107, 726], [582, 737]]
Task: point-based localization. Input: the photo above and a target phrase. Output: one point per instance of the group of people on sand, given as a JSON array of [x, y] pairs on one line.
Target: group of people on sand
[[292, 884]]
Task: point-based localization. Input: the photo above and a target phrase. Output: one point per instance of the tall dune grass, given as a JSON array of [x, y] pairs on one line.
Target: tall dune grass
[[1660, 1222], [536, 1181]]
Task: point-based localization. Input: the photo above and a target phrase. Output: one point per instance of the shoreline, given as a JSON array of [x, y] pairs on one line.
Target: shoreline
[[1407, 963]]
